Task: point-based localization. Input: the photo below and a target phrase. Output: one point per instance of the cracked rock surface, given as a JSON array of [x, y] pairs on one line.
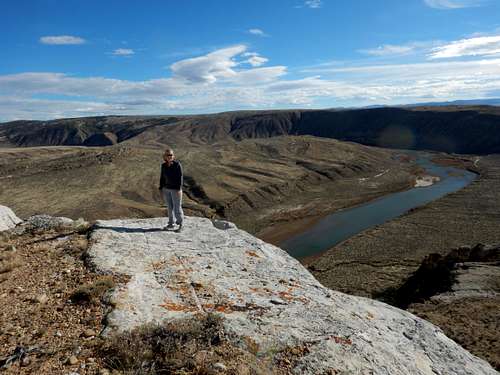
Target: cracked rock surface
[[269, 301]]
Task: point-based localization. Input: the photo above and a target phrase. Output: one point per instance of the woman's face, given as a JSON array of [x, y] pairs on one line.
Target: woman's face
[[168, 156]]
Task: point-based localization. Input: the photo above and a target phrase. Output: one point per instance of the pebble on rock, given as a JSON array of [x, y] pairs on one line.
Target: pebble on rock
[[41, 298], [26, 361], [89, 333], [72, 360], [219, 366]]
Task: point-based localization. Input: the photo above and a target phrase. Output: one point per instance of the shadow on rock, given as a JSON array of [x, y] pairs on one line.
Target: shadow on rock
[[130, 230]]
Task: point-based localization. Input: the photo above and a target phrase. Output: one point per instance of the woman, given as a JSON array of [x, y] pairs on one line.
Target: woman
[[171, 186]]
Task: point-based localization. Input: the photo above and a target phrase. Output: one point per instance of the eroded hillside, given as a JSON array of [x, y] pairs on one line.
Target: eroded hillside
[[254, 182], [460, 129]]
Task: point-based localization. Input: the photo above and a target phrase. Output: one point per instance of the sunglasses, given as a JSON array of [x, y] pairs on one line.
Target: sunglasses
[[169, 154]]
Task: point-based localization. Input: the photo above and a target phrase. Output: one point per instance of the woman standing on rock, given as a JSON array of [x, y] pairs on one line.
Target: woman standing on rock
[[171, 187]]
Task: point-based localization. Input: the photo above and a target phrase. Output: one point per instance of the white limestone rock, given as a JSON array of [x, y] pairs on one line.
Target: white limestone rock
[[267, 298], [473, 280], [8, 218]]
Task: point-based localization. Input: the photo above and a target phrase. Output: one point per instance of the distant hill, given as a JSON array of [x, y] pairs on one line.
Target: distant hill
[[460, 129], [492, 102]]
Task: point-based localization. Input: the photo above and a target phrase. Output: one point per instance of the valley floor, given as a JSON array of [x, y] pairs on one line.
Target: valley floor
[[85, 184]]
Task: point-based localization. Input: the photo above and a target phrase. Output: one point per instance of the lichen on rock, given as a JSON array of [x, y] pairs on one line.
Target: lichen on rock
[[269, 302]]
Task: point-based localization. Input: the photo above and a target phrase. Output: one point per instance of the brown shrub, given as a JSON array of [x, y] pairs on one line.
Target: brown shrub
[[94, 291], [188, 346], [8, 264]]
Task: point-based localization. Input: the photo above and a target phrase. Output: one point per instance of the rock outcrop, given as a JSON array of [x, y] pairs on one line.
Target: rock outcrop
[[269, 301], [465, 272], [8, 218]]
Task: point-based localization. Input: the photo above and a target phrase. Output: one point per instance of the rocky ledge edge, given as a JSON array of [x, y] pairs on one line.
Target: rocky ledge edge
[[8, 219], [267, 299]]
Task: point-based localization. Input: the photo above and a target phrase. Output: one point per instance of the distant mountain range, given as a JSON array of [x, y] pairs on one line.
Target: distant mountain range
[[468, 102], [493, 102], [470, 129]]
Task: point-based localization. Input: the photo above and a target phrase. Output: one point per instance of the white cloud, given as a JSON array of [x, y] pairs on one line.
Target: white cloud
[[221, 66], [411, 48], [61, 40], [313, 3], [123, 52], [62, 84], [418, 82], [257, 60], [453, 4], [19, 108], [388, 50], [445, 71], [257, 32], [258, 76], [218, 77], [208, 68], [480, 46], [222, 80], [254, 59]]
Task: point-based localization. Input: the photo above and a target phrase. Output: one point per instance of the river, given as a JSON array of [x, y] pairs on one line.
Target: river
[[346, 223]]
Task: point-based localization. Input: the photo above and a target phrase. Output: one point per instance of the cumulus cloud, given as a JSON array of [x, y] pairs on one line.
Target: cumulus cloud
[[413, 83], [123, 52], [257, 32], [258, 76], [99, 87], [453, 4], [480, 46], [313, 3], [219, 77], [208, 68], [255, 59], [225, 80], [218, 67], [20, 108], [61, 40], [221, 66]]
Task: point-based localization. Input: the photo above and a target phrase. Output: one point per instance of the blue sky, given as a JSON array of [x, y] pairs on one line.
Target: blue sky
[[71, 58]]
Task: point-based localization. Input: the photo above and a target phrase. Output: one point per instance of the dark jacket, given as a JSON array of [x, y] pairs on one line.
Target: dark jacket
[[171, 177]]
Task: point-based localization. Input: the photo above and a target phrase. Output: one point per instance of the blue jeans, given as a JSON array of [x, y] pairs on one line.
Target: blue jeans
[[174, 204]]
